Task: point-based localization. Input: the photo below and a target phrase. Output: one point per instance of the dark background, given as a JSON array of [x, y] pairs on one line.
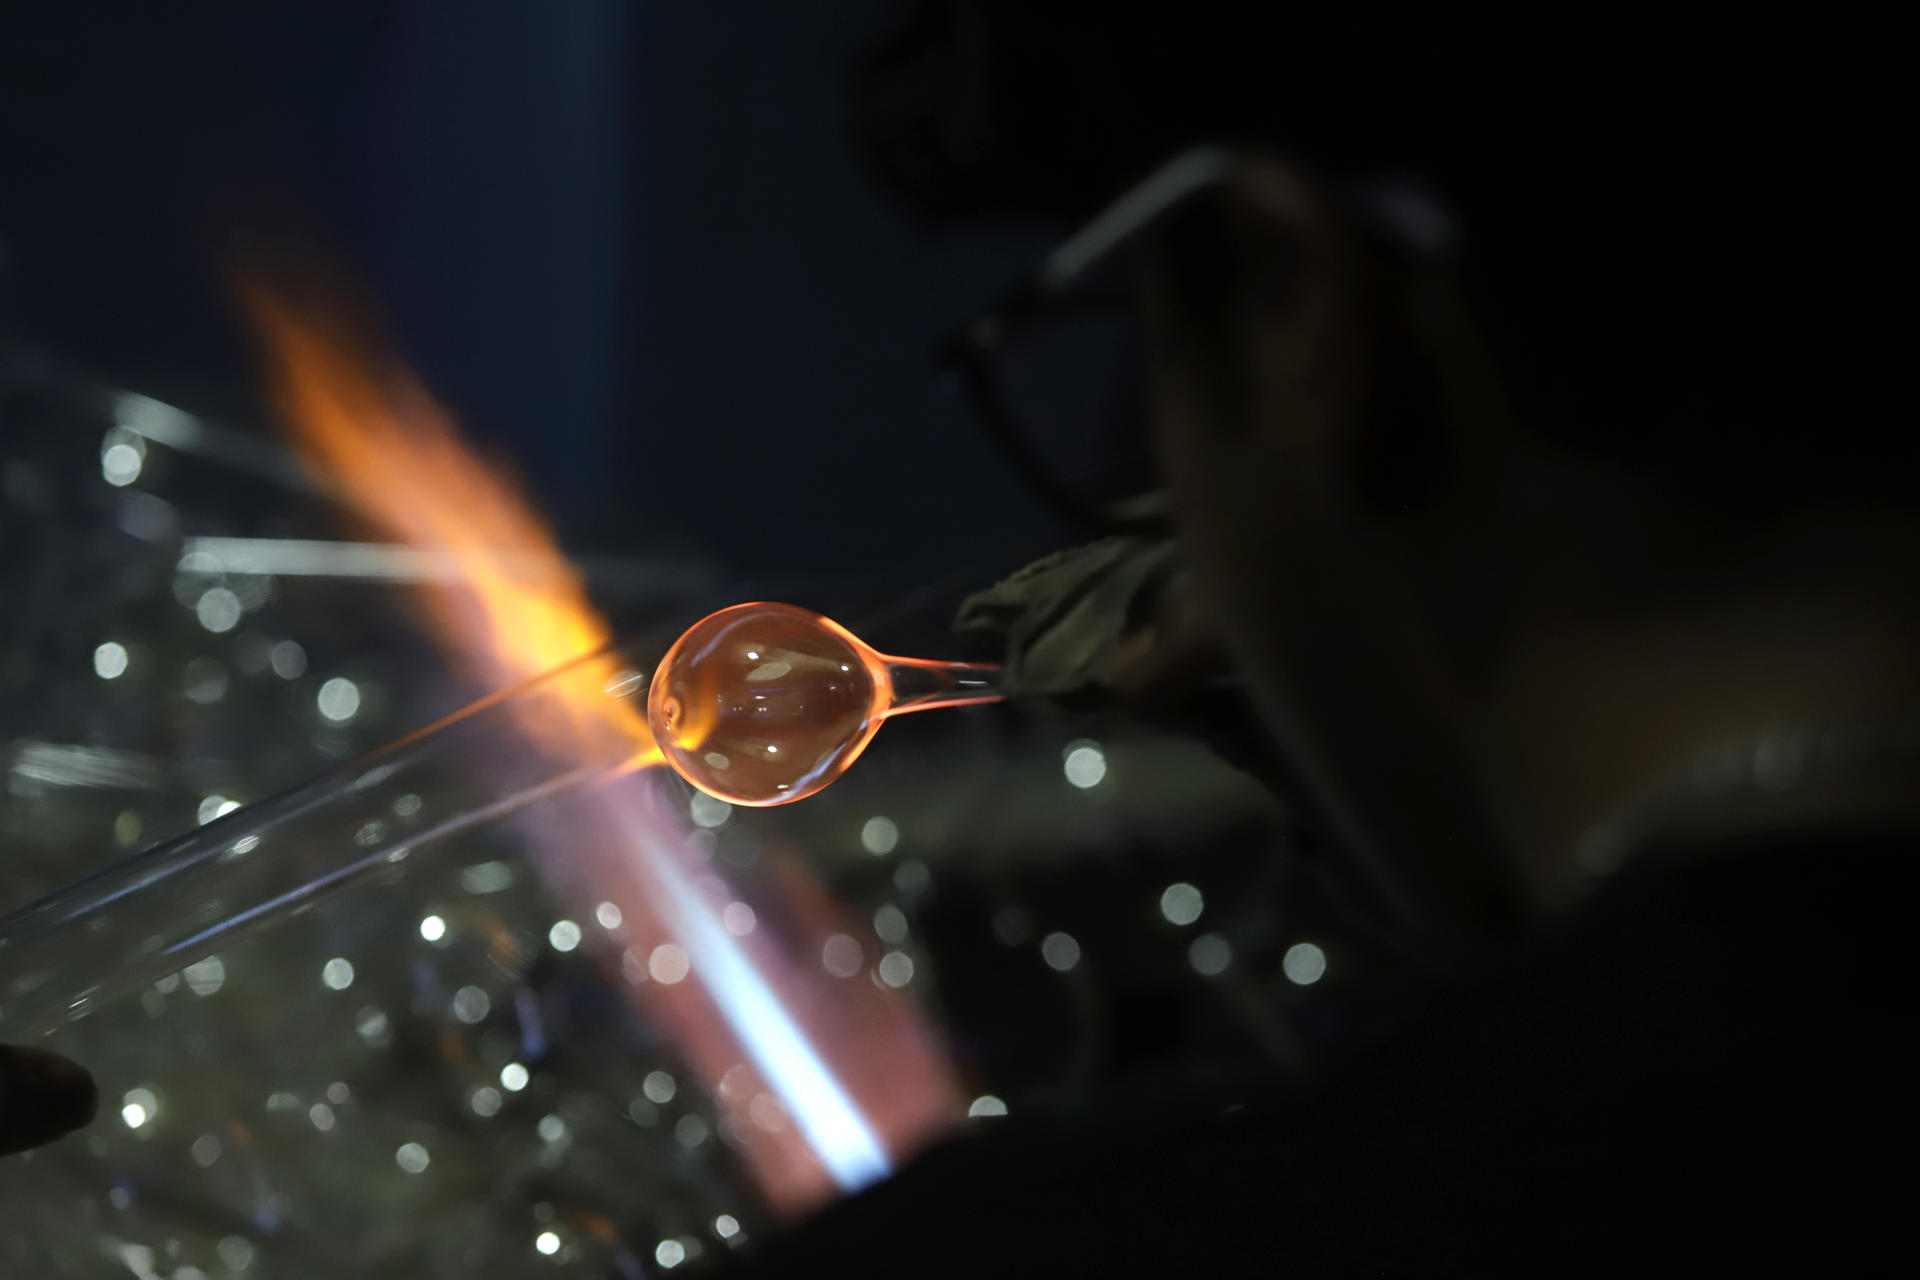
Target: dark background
[[628, 244]]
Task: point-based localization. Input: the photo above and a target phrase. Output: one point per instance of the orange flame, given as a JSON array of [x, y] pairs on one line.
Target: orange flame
[[365, 425], [367, 428]]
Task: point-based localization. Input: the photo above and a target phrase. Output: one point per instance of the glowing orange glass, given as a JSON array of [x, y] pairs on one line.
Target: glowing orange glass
[[762, 704]]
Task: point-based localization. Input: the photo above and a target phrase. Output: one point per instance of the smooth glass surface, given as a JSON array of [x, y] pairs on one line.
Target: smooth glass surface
[[764, 703]]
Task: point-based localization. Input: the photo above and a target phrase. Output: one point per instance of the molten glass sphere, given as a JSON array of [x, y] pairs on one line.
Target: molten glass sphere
[[761, 704]]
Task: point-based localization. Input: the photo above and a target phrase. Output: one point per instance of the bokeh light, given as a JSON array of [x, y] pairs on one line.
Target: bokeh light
[[1181, 903], [1304, 964]]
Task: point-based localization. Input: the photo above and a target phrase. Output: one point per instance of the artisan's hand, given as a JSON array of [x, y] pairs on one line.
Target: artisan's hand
[[1171, 658], [43, 1096], [1118, 622], [1113, 620]]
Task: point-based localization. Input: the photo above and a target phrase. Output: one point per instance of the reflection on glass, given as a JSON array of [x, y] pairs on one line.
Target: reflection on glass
[[763, 704]]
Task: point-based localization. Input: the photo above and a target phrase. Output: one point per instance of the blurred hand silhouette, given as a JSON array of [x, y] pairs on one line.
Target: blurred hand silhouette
[[43, 1096]]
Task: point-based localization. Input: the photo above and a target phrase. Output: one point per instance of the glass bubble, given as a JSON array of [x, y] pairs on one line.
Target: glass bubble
[[762, 704]]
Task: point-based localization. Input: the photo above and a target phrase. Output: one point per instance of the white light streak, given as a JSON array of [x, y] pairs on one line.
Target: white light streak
[[314, 558], [151, 419], [786, 1059]]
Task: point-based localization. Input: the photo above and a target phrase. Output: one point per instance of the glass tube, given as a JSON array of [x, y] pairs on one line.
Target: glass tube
[[158, 911]]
